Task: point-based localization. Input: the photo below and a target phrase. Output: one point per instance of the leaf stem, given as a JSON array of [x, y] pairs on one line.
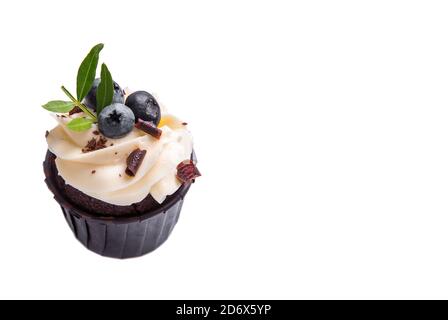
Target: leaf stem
[[79, 104]]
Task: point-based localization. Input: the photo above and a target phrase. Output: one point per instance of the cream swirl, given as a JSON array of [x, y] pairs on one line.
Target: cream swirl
[[101, 173]]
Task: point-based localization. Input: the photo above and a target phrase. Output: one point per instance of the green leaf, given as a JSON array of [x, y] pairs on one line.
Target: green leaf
[[105, 91], [80, 124], [59, 106], [87, 71]]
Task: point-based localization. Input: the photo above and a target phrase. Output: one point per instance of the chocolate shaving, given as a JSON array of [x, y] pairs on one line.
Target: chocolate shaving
[[75, 110], [187, 171], [93, 171], [91, 145], [46, 133], [149, 128], [96, 132], [95, 144], [184, 123], [134, 161]]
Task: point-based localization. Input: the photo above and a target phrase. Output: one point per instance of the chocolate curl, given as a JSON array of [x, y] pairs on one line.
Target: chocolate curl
[[149, 128], [134, 161], [187, 171]]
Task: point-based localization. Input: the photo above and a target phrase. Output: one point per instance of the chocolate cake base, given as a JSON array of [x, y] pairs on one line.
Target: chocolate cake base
[[114, 231]]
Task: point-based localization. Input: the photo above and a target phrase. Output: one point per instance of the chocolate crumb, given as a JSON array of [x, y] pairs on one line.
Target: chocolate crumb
[[134, 161], [96, 132], [184, 123], [149, 128], [93, 171], [119, 175], [111, 144], [63, 116], [94, 144], [187, 171], [116, 152], [75, 110], [46, 133]]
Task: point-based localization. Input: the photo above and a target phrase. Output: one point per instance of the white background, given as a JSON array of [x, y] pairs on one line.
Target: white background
[[321, 132]]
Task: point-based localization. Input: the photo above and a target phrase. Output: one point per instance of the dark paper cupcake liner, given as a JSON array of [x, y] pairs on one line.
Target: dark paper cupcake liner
[[117, 236]]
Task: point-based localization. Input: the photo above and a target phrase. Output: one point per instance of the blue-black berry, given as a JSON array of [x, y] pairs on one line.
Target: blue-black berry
[[90, 99], [115, 121], [144, 106]]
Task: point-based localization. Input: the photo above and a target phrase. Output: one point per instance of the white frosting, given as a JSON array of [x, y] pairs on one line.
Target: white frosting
[[110, 183]]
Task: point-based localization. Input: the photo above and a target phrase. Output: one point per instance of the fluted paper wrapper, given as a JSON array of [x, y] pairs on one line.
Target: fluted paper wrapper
[[118, 237]]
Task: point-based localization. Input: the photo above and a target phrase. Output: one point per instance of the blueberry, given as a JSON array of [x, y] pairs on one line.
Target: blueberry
[[144, 106], [90, 99], [116, 121]]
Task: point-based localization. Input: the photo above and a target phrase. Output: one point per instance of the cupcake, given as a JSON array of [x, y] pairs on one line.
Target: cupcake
[[117, 164]]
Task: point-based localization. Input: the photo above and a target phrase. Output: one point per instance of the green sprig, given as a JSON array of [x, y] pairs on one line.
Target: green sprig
[[87, 71], [105, 91], [84, 80], [59, 106], [79, 104], [80, 124]]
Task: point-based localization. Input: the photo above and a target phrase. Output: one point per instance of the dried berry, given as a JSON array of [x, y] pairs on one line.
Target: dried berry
[[187, 171]]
